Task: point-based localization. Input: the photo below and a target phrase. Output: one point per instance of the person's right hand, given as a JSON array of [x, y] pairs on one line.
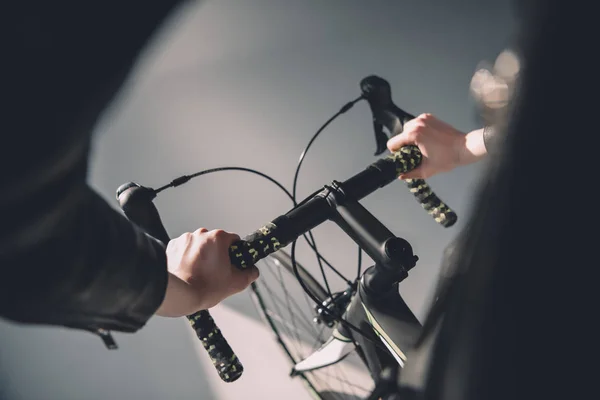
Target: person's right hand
[[200, 272], [443, 146]]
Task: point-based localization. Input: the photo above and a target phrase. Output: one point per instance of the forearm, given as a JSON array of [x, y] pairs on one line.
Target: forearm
[[94, 270], [67, 257]]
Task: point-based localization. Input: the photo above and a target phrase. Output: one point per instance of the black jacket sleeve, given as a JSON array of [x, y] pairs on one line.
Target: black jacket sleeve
[[491, 139], [67, 257]]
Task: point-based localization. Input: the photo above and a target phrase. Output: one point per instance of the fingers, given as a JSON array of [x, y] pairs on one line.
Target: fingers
[[417, 173], [226, 237], [230, 237], [218, 235], [243, 278], [407, 137], [412, 134], [249, 275], [252, 274], [413, 131], [181, 242]]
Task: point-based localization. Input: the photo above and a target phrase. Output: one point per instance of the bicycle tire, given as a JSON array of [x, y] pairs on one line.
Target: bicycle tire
[[319, 382]]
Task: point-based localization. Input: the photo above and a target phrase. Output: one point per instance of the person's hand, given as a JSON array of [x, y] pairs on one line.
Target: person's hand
[[443, 146], [200, 272], [439, 143]]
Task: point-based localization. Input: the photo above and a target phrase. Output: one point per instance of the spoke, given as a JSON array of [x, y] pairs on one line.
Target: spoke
[[319, 257], [309, 302], [308, 328], [288, 303], [282, 321], [320, 337], [321, 267], [301, 312], [276, 306], [336, 371], [351, 384], [341, 371], [319, 341], [339, 381], [320, 380]]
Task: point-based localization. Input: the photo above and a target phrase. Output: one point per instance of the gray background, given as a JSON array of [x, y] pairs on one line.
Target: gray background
[[247, 83]]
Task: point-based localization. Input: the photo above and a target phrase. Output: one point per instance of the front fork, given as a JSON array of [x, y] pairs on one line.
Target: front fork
[[369, 348], [345, 340], [382, 365]]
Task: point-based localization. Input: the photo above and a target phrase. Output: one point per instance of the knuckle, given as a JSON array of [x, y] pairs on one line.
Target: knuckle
[[394, 143], [255, 274], [420, 126], [414, 134], [224, 237], [219, 233], [196, 236], [414, 126], [250, 277]]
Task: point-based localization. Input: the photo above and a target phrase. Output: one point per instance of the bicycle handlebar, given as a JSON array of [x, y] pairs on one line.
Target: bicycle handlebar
[[316, 209], [136, 202]]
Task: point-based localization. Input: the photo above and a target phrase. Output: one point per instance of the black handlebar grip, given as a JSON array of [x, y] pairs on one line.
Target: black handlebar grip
[[136, 203], [408, 158], [255, 247]]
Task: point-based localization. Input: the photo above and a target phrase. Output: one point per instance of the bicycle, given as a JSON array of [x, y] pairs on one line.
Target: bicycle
[[368, 320]]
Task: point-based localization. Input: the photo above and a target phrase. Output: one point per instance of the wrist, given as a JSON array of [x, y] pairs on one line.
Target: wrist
[[472, 148], [176, 300]]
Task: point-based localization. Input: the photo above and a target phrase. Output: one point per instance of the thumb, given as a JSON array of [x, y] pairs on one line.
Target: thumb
[[252, 273], [243, 278], [420, 172], [416, 173], [406, 138]]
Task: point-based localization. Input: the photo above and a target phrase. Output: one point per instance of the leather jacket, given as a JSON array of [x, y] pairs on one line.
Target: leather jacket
[[67, 257]]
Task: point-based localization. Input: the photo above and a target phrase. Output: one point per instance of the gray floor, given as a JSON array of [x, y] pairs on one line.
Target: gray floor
[[247, 84]]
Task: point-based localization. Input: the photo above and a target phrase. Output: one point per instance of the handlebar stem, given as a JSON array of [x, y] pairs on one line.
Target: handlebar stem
[[393, 256]]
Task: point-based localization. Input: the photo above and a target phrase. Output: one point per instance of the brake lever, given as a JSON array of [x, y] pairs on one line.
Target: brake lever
[[378, 93], [380, 138]]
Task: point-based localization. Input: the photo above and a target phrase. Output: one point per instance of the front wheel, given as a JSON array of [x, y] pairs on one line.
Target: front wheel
[[290, 313]]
